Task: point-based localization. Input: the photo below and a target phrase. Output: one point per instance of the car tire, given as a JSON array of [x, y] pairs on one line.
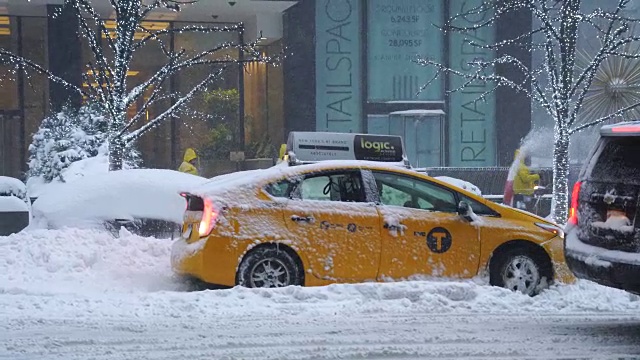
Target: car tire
[[522, 270], [269, 267]]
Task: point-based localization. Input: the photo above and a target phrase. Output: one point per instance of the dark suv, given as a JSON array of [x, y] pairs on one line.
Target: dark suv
[[602, 240]]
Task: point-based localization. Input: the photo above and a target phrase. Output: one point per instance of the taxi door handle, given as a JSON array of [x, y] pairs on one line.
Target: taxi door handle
[[307, 219], [392, 226]]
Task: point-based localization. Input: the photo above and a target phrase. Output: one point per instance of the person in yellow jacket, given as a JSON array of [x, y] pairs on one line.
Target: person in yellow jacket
[[282, 155], [524, 181], [189, 162]]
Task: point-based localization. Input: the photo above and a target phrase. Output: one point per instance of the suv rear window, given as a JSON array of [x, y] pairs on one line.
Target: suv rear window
[[619, 161]]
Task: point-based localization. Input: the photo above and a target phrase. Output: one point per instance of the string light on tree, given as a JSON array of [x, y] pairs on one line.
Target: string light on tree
[[570, 91]]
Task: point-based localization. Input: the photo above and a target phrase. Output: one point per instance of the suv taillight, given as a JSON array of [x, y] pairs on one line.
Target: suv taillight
[[573, 212]]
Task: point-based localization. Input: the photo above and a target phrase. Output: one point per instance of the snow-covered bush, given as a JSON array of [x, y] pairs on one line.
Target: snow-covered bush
[[69, 136]]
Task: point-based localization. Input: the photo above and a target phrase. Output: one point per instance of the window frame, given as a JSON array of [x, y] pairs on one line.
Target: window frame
[[296, 191]]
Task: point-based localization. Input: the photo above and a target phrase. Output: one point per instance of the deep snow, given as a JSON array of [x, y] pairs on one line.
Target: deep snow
[[83, 294], [124, 194]]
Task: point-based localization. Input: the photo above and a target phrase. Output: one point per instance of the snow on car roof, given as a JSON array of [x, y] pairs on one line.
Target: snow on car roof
[[123, 194], [250, 179], [9, 185]]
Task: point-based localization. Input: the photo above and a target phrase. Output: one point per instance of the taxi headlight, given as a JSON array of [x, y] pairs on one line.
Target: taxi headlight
[[552, 229]]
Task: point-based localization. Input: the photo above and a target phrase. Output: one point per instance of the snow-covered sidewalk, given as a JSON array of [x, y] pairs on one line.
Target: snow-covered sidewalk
[[82, 294]]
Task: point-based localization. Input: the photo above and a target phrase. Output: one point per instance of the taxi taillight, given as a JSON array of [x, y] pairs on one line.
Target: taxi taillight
[[573, 211], [208, 221]]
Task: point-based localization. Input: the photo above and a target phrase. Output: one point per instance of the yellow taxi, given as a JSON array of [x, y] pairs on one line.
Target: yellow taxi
[[358, 221]]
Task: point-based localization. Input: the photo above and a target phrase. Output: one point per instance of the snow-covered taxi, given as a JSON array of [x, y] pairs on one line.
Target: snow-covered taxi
[[356, 221]]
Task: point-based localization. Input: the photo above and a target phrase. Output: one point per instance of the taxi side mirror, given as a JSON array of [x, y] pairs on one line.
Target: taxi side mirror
[[464, 210]]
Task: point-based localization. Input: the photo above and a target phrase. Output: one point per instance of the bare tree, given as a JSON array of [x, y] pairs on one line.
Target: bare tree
[[113, 49], [562, 84]]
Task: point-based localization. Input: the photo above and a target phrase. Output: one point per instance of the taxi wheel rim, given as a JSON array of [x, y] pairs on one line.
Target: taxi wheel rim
[[521, 274], [269, 273]]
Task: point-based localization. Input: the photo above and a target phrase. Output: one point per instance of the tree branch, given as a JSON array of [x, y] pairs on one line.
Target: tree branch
[[133, 136], [8, 57]]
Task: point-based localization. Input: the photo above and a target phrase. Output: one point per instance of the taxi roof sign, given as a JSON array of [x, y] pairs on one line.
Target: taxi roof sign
[[309, 147]]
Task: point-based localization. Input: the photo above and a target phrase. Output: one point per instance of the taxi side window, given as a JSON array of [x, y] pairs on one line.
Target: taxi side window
[[279, 189], [398, 190], [333, 187]]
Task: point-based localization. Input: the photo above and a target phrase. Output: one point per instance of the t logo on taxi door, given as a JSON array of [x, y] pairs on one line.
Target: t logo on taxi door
[[439, 240]]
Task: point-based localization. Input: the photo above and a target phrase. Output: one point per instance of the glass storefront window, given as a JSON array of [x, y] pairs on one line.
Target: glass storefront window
[[263, 106], [207, 125], [10, 117], [36, 85]]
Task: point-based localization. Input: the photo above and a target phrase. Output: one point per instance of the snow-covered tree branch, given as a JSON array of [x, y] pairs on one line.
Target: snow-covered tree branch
[[563, 85], [113, 44]]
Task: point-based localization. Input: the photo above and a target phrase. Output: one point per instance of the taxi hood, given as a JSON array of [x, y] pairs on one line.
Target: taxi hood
[[533, 217]]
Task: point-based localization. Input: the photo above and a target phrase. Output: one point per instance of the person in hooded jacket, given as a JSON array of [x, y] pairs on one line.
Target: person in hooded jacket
[[189, 162], [524, 181]]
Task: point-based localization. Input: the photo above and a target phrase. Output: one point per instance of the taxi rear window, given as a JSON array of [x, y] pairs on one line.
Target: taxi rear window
[[618, 161], [280, 189]]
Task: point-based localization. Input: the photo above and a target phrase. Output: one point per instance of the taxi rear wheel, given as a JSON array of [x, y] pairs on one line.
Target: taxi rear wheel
[[269, 267], [521, 270]]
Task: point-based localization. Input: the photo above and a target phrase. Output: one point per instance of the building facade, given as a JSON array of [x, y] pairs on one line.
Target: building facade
[[44, 32], [358, 61], [348, 67]]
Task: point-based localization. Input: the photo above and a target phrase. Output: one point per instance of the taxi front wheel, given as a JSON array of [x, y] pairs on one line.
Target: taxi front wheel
[[269, 267], [522, 270]]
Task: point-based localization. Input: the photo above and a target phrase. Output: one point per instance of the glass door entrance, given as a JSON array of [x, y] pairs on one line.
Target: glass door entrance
[[423, 132]]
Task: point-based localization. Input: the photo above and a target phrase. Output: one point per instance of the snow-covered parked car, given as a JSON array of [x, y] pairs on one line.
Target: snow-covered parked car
[[603, 235], [145, 201], [14, 206]]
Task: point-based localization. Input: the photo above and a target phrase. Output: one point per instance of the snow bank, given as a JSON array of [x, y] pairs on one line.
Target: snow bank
[[72, 261], [124, 194], [87, 275]]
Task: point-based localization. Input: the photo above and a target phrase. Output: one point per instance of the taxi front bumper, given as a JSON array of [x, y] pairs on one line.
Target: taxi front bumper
[[555, 249]]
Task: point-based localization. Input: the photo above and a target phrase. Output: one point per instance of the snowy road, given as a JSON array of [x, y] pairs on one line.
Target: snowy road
[[79, 295], [372, 336]]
